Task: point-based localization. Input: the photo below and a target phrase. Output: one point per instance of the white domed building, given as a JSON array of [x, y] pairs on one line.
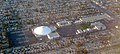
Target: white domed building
[[44, 31]]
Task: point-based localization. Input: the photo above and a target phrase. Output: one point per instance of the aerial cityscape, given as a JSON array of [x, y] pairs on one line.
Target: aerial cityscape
[[59, 26]]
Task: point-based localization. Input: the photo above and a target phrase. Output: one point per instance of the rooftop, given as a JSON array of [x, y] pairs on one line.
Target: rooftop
[[42, 30]]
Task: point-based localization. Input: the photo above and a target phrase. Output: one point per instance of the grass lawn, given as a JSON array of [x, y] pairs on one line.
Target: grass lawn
[[84, 26]]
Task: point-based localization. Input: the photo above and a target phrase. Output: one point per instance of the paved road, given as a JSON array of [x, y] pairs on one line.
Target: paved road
[[99, 7]]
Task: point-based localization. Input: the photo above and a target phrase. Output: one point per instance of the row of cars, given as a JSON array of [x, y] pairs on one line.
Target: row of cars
[[52, 13], [43, 47], [90, 43], [28, 13], [111, 5], [9, 22]]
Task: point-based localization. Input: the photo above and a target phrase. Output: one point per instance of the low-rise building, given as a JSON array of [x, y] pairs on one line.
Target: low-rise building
[[79, 31], [53, 35], [98, 26], [43, 31], [64, 23], [78, 21], [53, 28], [95, 18]]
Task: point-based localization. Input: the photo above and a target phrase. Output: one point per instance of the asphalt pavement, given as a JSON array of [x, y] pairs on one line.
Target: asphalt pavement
[[99, 7]]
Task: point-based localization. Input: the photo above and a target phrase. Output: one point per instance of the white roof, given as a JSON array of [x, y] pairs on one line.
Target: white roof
[[63, 23], [42, 30], [99, 25], [95, 18], [53, 35]]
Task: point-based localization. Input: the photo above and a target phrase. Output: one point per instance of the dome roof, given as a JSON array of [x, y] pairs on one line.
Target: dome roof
[[42, 30]]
